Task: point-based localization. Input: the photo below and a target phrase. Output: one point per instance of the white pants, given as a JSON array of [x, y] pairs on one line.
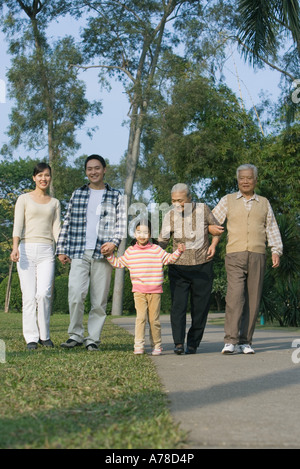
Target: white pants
[[36, 273], [88, 273]]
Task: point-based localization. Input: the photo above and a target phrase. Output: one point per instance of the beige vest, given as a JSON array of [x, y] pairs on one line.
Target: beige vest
[[246, 229]]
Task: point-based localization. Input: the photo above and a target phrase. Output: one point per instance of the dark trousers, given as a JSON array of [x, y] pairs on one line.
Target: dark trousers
[[194, 281]]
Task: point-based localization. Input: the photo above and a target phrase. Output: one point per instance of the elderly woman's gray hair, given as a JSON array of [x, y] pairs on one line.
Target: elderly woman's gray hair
[[247, 166], [180, 187]]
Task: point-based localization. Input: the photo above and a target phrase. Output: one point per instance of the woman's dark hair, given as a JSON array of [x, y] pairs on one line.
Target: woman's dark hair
[[95, 157], [40, 167], [144, 223]]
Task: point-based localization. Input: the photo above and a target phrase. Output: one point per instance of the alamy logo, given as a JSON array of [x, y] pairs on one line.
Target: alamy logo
[[2, 351], [296, 93], [2, 91], [296, 353]]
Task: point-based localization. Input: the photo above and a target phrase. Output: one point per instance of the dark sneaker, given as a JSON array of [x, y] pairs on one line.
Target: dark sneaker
[[32, 346], [178, 349], [46, 343], [190, 350], [70, 343], [92, 347]]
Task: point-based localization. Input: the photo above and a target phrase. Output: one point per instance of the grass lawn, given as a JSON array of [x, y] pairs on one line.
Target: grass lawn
[[74, 399]]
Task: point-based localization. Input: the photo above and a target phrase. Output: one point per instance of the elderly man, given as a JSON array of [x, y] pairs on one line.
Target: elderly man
[[187, 222], [250, 223]]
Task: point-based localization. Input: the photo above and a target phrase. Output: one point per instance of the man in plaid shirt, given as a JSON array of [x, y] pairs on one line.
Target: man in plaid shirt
[[250, 225], [95, 220]]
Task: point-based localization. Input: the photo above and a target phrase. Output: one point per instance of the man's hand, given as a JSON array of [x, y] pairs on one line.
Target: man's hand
[[275, 260], [107, 249], [215, 230], [64, 259]]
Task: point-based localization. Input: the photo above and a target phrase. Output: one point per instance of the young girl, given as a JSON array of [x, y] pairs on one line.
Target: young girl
[[36, 225], [145, 262]]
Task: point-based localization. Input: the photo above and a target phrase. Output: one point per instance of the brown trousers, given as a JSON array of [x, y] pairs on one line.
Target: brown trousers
[[245, 275], [147, 307]]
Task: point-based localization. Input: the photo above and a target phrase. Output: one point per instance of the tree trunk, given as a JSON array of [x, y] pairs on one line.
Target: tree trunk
[[8, 288], [136, 126], [47, 99], [132, 162]]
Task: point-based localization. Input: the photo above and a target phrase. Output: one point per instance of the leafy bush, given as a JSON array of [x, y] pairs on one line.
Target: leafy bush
[[60, 297], [281, 291], [15, 296]]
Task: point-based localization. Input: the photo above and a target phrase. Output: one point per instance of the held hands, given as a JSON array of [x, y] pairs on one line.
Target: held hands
[[107, 249], [64, 259], [216, 230], [181, 247]]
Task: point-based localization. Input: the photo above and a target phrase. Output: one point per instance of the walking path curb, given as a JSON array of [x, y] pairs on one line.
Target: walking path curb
[[236, 401]]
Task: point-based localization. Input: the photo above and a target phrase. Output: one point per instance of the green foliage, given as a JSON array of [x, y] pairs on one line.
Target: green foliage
[[264, 24], [15, 295], [279, 172], [50, 104], [202, 131], [60, 295], [281, 292]]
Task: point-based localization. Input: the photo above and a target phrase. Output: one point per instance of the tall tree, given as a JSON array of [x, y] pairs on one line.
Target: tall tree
[[50, 100], [267, 34], [128, 38], [264, 25], [199, 136]]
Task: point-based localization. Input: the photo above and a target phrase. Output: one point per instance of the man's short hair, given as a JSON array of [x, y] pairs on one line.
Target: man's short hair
[[244, 167], [180, 187], [95, 157]]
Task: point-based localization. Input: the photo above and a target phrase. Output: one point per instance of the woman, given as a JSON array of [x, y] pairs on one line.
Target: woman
[[36, 228]]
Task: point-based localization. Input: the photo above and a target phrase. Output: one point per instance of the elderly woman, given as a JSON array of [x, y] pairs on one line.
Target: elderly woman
[[192, 275], [36, 229]]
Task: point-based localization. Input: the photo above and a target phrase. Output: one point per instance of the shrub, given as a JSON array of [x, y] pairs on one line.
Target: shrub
[[15, 295], [60, 297], [281, 290]]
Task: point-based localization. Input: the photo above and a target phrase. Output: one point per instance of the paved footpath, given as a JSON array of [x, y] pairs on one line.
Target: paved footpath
[[236, 401]]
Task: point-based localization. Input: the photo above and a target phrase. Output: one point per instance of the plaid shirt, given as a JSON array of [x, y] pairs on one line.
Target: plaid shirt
[[111, 227], [272, 230]]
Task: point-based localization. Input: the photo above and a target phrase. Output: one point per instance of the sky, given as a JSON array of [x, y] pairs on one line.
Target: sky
[[111, 138]]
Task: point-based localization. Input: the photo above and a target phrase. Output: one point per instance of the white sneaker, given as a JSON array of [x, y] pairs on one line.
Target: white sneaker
[[246, 348], [229, 348], [156, 351]]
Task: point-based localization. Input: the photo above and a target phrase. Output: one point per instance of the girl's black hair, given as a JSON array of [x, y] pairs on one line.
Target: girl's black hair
[[146, 223], [40, 167]]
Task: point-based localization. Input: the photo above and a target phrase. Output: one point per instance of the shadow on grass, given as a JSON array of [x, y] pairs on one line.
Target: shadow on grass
[[140, 421]]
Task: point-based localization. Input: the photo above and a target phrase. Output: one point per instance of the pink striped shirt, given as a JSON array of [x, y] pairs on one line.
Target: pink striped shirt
[[145, 264]]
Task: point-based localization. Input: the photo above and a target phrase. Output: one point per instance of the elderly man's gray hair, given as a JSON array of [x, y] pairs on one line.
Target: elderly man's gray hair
[[244, 167], [180, 187]]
